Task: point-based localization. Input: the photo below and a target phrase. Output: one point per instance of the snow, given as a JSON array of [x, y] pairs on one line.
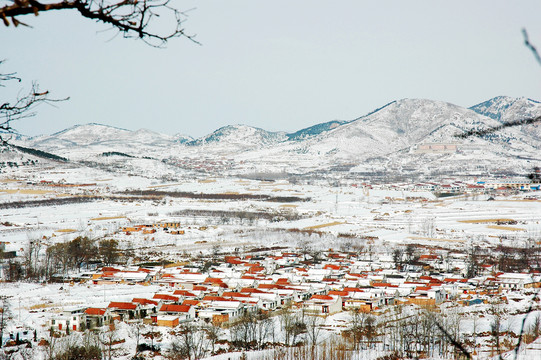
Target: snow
[[334, 205], [386, 139]]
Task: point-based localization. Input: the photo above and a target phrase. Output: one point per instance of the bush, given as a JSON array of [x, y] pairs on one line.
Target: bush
[[80, 353]]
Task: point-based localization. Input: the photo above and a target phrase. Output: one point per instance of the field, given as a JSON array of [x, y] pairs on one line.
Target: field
[[222, 216]]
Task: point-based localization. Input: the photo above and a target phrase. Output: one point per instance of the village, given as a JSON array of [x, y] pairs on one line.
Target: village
[[327, 264], [334, 283], [333, 287]]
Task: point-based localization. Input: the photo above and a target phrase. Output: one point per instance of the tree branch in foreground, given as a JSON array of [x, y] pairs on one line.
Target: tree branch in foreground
[[132, 18], [22, 107], [530, 46], [498, 128]]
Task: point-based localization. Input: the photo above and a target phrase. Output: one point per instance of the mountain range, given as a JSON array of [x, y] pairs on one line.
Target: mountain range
[[404, 134]]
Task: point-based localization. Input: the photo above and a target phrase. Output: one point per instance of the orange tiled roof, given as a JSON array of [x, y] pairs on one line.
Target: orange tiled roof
[[175, 308], [183, 293], [94, 311], [122, 305], [321, 297], [165, 297], [144, 301]]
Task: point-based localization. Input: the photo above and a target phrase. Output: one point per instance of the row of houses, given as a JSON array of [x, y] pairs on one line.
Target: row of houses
[[171, 227], [479, 186], [236, 285]]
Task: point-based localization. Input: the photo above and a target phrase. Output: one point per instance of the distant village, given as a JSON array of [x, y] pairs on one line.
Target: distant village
[[335, 282], [362, 277]]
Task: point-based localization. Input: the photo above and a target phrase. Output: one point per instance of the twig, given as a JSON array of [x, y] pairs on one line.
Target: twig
[[491, 130], [530, 46], [132, 18]]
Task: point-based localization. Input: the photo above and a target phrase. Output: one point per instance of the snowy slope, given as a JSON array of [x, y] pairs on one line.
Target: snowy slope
[[90, 139], [506, 109], [400, 125], [392, 133], [241, 137], [315, 130]]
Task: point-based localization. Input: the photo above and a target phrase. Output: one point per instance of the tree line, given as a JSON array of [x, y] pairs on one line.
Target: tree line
[[41, 262], [210, 196]]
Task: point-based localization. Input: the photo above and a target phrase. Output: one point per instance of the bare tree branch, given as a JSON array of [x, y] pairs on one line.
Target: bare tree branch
[[491, 130], [530, 46], [22, 107], [498, 128], [132, 18], [451, 339]]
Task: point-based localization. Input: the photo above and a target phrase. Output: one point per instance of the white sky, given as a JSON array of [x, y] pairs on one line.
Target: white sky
[[279, 65]]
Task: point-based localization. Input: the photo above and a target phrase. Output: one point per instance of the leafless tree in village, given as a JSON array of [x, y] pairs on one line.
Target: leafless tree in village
[[5, 315]]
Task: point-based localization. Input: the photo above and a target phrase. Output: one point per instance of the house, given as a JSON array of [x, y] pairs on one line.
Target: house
[[71, 319], [169, 225], [166, 299], [147, 307], [182, 312], [97, 317], [324, 304], [427, 295], [219, 311], [168, 320], [125, 310], [116, 276], [513, 281]]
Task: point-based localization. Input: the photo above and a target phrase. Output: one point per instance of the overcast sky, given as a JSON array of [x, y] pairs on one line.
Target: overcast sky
[[278, 65]]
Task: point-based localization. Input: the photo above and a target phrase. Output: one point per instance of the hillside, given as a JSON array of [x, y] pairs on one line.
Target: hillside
[[404, 134]]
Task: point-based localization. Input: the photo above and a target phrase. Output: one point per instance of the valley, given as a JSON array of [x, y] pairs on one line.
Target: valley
[[362, 238]]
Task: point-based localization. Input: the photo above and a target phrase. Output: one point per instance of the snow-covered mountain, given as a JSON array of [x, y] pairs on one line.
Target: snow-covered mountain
[[94, 134], [408, 133], [506, 109], [315, 130], [81, 140], [183, 138], [400, 125], [240, 137]]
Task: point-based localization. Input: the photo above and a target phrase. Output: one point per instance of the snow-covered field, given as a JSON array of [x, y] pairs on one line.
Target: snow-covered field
[[215, 217]]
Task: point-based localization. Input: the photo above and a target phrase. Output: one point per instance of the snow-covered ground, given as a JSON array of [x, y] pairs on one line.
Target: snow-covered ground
[[326, 214]]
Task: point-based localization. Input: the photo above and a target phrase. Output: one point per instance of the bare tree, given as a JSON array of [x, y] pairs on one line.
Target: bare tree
[[356, 323], [107, 340], [109, 251], [397, 258], [73, 347], [292, 324], [81, 250], [313, 328], [264, 328], [131, 18], [530, 46], [51, 343], [5, 315], [136, 332], [213, 335], [243, 330], [191, 343]]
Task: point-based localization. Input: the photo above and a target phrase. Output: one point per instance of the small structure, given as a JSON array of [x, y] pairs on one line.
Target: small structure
[[324, 304], [70, 319], [126, 310], [182, 312], [168, 320], [97, 317]]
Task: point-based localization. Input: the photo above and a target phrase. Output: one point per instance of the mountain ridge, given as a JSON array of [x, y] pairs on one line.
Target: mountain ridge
[[395, 132]]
